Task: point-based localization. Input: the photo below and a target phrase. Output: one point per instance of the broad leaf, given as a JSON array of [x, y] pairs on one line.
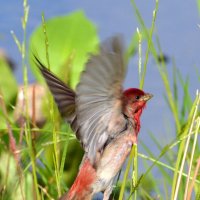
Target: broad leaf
[[71, 38], [8, 84]]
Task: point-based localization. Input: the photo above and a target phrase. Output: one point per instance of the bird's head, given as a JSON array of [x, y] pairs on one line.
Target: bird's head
[[134, 103]]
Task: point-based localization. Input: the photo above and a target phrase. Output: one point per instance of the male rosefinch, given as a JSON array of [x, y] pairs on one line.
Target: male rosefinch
[[105, 118]]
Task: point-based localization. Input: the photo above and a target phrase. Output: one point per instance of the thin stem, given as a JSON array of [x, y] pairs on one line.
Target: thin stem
[[192, 156], [46, 40], [140, 54], [186, 148], [135, 177], [122, 191]]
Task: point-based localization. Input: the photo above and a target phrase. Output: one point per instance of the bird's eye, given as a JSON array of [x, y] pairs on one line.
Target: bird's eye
[[137, 97]]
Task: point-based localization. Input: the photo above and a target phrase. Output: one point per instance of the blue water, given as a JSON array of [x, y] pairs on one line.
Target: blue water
[[176, 24]]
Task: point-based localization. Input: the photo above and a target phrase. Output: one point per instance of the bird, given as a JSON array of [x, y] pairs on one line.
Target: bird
[[104, 117]]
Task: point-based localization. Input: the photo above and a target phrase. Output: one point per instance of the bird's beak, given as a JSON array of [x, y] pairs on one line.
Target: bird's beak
[[146, 97]]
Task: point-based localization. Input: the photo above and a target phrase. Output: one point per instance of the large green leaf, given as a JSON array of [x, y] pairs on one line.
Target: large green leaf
[[71, 38], [8, 84]]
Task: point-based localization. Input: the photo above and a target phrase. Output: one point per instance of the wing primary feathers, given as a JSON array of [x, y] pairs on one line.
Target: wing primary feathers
[[95, 111], [99, 92], [63, 95]]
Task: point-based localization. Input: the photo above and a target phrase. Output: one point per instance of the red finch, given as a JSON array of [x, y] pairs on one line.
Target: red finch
[[105, 118]]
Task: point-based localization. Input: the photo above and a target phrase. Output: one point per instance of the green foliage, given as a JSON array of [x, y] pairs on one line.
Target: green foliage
[[8, 84], [70, 39], [9, 178], [198, 5], [51, 154]]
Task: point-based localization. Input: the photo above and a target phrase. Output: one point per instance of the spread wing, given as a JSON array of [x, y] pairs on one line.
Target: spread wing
[[63, 95], [99, 98]]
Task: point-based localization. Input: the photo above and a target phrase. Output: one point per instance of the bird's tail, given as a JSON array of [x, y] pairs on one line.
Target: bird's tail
[[82, 186]]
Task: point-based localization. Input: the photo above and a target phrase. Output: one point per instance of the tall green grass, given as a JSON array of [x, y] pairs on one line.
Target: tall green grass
[[185, 182]]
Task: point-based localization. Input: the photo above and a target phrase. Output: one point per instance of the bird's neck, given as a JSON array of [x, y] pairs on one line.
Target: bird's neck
[[81, 188], [136, 118]]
